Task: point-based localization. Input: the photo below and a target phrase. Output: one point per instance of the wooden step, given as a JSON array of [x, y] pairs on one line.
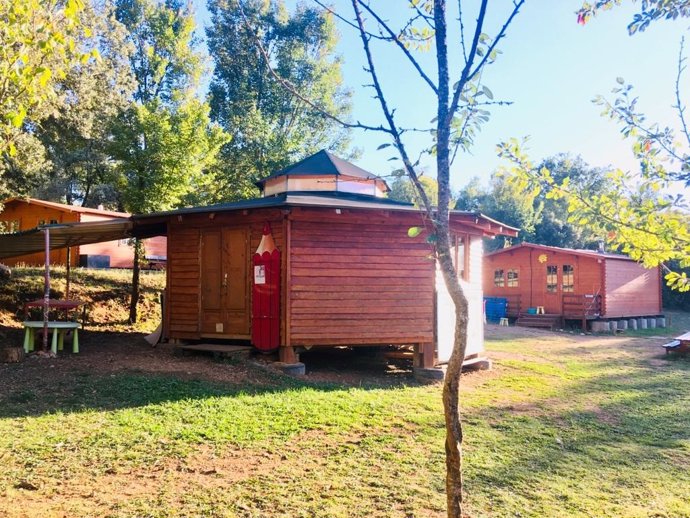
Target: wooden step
[[548, 321]]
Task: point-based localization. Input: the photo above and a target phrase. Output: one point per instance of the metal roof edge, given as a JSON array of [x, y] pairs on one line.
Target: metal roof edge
[[574, 251], [67, 208]]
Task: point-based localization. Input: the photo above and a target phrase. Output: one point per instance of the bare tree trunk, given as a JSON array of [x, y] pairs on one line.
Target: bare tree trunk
[[135, 281], [451, 386]]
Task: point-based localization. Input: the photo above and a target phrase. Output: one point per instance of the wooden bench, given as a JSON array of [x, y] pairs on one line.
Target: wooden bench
[[680, 345], [59, 330]]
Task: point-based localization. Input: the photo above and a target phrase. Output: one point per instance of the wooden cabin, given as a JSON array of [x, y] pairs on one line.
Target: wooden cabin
[[571, 284], [347, 272], [20, 214]]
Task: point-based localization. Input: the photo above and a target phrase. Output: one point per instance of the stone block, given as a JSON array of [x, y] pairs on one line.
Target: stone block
[[293, 369], [600, 326]]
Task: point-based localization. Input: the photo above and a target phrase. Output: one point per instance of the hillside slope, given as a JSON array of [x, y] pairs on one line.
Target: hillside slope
[[106, 293]]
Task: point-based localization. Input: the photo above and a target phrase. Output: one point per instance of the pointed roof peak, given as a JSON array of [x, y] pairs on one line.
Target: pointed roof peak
[[322, 163]]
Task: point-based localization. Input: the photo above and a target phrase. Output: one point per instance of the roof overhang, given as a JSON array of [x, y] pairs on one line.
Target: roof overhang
[[593, 254], [73, 234], [477, 221]]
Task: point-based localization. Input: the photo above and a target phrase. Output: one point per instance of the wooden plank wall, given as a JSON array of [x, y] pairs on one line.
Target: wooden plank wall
[[357, 278], [532, 276], [631, 290], [184, 262]]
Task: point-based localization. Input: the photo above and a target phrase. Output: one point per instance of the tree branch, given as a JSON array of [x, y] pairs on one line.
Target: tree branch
[[679, 104], [392, 128], [401, 46], [467, 73], [462, 31], [346, 21]]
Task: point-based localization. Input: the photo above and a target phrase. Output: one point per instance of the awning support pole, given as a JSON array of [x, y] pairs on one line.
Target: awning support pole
[[68, 272], [46, 291]]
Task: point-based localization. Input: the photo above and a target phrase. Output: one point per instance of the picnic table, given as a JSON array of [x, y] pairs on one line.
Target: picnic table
[[65, 305], [681, 344]]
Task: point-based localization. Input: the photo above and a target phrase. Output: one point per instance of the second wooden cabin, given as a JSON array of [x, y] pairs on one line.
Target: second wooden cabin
[[569, 284]]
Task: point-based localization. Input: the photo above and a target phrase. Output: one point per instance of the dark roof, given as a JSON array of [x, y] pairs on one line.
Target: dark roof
[[573, 251], [335, 199], [68, 208], [323, 163]]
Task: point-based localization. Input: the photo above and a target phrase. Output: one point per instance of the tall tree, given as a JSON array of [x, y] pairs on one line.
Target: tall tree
[[402, 189], [271, 128], [460, 110], [77, 135], [542, 219], [554, 227], [164, 142], [37, 48]]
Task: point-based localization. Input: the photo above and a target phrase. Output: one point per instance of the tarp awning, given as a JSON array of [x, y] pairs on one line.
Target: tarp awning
[[64, 235]]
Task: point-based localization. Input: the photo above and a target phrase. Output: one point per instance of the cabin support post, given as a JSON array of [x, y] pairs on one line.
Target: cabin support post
[[288, 355], [423, 355], [423, 362], [289, 361]]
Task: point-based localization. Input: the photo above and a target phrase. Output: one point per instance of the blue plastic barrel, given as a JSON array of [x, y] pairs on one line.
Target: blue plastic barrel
[[496, 308]]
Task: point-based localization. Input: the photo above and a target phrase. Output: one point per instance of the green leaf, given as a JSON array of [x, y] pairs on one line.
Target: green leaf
[[414, 231], [17, 119], [487, 92], [382, 146]]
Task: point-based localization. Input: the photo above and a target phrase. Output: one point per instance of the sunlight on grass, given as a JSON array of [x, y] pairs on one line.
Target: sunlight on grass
[[559, 429]]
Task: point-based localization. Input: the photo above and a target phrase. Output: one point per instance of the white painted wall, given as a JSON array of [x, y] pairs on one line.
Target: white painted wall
[[446, 310]]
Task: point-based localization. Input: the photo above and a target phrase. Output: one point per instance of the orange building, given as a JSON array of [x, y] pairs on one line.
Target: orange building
[[20, 214], [571, 284]]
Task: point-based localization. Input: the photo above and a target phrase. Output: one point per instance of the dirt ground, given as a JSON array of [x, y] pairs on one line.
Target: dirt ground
[[104, 353], [107, 353]]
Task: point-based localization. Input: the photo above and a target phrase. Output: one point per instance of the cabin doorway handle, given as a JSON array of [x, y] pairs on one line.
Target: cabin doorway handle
[[225, 280]]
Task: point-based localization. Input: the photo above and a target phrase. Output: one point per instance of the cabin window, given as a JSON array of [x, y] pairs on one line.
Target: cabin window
[[53, 222], [568, 278], [41, 222], [499, 280], [512, 278], [552, 279], [459, 257]]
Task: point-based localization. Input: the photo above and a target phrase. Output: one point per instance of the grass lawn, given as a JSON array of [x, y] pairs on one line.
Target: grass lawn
[[565, 425]]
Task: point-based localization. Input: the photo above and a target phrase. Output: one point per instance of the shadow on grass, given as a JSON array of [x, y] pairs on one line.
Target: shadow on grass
[[76, 383]]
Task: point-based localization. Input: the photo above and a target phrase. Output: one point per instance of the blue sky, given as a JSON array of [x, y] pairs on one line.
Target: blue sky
[[550, 68]]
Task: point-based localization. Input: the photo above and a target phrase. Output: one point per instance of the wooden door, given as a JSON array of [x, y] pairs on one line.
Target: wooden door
[[552, 289], [224, 283]]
